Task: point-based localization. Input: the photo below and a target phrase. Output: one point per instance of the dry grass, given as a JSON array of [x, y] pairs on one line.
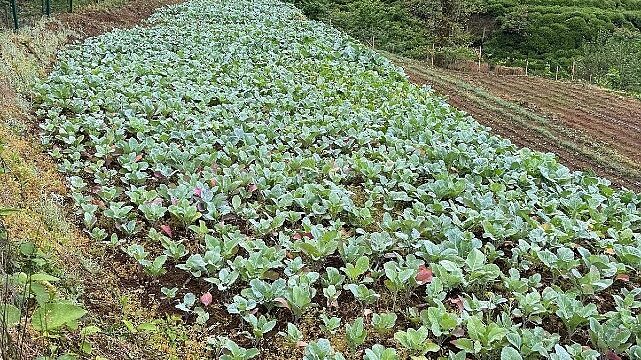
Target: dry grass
[[25, 55], [30, 182]]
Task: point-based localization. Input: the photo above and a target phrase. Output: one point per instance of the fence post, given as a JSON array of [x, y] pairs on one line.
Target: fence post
[[527, 66], [14, 13], [480, 56], [70, 5], [573, 68], [433, 53], [557, 73], [48, 7]]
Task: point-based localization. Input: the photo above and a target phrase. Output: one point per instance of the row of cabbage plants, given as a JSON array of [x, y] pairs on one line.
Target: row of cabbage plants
[[250, 159]]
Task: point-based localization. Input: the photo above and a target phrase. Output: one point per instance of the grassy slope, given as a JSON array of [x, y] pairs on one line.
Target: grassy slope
[[31, 183]]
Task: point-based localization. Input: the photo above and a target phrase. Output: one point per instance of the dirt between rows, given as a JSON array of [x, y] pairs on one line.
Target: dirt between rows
[[610, 122], [582, 108]]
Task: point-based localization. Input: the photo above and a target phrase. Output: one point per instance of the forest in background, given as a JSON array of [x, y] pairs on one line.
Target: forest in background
[[601, 40]]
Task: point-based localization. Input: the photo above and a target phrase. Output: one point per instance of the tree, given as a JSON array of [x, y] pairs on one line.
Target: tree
[[447, 19], [613, 60]]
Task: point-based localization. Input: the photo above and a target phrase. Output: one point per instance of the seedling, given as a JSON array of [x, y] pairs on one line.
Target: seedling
[[332, 324], [384, 322], [416, 341]]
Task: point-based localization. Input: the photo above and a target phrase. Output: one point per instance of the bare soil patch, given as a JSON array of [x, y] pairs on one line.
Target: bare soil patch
[[612, 120], [91, 23]]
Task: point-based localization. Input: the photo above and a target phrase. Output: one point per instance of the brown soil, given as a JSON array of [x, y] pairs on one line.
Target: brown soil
[[91, 23], [587, 127], [580, 107]]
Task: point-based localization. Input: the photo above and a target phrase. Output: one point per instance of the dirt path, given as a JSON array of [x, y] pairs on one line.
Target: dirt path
[[588, 128]]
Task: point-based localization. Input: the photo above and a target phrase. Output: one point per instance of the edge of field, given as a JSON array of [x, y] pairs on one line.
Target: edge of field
[[31, 183], [583, 139]]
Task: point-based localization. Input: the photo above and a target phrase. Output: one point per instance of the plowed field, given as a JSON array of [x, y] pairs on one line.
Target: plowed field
[[587, 127]]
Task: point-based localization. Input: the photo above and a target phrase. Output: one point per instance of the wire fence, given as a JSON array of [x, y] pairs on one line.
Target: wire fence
[[18, 13]]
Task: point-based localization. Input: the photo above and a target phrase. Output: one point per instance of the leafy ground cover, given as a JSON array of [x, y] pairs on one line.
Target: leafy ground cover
[[291, 194], [596, 41]]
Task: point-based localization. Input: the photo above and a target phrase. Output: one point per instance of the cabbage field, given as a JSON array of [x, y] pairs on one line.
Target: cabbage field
[[288, 191]]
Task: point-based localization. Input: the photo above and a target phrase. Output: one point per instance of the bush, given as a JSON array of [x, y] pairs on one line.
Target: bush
[[613, 61]]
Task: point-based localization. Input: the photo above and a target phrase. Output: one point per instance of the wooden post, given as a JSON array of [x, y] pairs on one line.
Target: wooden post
[[557, 73], [14, 13], [573, 68], [433, 53], [480, 56], [70, 5], [48, 7], [527, 66]]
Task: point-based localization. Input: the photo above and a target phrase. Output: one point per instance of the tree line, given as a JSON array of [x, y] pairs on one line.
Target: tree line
[[545, 34]]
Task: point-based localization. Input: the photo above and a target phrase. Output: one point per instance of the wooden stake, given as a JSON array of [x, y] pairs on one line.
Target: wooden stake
[[433, 53], [480, 55], [573, 68], [557, 73], [527, 66], [14, 13]]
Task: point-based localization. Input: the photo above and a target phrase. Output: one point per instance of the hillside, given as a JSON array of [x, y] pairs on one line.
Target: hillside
[[588, 128], [598, 41]]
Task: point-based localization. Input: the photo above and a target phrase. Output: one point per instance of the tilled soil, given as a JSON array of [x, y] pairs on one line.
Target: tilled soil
[[91, 23], [580, 107], [587, 127]]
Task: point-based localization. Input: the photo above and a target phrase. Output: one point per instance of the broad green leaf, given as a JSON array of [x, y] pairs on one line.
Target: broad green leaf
[[9, 315], [475, 260], [509, 353], [52, 316]]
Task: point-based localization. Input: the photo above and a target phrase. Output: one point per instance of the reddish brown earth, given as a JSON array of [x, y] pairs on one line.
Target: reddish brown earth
[[611, 119], [587, 127], [90, 23]]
